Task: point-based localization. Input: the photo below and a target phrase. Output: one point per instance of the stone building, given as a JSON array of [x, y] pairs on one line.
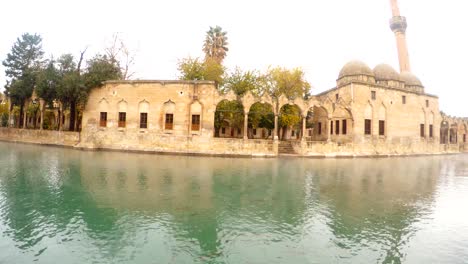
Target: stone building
[[375, 111]]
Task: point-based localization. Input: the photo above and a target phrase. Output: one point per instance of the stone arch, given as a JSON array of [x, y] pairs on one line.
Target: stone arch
[[341, 121], [143, 106], [289, 121], [169, 109], [122, 106], [229, 119], [316, 123], [196, 116], [462, 132], [368, 111], [103, 105], [143, 109], [444, 132], [261, 120], [453, 133]]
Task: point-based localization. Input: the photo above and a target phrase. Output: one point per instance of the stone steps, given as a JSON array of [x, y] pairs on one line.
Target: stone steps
[[285, 147]]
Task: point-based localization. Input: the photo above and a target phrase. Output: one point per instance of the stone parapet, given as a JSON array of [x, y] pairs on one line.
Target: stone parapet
[[45, 137]]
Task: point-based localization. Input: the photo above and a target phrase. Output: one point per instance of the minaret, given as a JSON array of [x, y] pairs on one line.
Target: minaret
[[398, 26]]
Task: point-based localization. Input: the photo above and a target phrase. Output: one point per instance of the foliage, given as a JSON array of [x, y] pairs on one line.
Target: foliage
[[21, 67], [32, 109], [101, 68], [240, 82], [48, 81], [291, 83], [229, 113], [290, 115], [4, 107], [193, 69], [215, 45], [261, 115]]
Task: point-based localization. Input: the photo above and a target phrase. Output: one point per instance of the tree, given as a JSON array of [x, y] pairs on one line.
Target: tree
[[230, 114], [240, 82], [215, 45], [70, 87], [193, 69], [119, 52], [101, 68], [291, 83], [22, 66], [47, 83]]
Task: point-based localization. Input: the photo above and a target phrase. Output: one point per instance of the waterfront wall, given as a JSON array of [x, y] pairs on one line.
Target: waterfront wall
[[377, 148], [169, 143], [47, 137], [162, 143]]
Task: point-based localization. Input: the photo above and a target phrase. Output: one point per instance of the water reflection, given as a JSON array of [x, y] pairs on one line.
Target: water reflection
[[136, 208]]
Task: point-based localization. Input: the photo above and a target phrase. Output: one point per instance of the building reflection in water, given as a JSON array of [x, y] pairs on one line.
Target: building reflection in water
[[217, 208]]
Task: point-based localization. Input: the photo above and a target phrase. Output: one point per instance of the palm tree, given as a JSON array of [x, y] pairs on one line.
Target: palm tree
[[215, 46]]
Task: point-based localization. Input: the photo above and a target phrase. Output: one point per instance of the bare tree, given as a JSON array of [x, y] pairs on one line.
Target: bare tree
[[119, 52]]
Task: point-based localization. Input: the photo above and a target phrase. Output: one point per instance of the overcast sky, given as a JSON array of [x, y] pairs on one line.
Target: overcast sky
[[319, 36]]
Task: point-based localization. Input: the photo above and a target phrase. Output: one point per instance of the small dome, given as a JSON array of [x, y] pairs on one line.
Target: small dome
[[385, 72], [410, 79], [355, 68]]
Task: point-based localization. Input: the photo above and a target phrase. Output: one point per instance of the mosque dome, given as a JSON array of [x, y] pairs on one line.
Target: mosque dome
[[410, 79], [385, 72], [355, 68]]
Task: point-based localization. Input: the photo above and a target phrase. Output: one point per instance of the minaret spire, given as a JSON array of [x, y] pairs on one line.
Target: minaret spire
[[398, 25]]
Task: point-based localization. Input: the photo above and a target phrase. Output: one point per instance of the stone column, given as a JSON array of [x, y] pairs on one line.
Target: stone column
[[275, 130], [303, 136], [246, 123]]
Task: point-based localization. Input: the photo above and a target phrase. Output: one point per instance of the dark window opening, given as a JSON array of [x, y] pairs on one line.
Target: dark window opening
[[169, 123], [421, 130], [431, 128], [427, 103], [103, 119], [122, 119], [223, 130], [373, 95], [254, 131], [143, 120], [403, 99], [381, 128], [195, 122], [367, 126], [337, 96], [345, 127], [331, 127], [337, 127], [319, 128]]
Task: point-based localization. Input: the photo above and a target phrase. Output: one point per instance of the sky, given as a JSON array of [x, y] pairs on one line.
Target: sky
[[318, 36]]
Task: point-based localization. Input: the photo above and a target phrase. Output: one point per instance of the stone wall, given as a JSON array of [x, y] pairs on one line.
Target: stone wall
[[169, 143], [375, 148], [47, 137]]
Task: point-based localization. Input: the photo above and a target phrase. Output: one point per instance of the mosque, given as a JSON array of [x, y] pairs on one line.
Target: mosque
[[377, 111]]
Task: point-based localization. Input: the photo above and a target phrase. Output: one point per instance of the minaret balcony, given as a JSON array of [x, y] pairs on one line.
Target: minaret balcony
[[398, 24]]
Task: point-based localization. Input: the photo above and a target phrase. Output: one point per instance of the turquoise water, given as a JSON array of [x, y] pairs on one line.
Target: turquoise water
[[66, 206]]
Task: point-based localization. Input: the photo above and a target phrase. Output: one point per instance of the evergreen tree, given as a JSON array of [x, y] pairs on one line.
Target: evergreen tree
[[23, 64]]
